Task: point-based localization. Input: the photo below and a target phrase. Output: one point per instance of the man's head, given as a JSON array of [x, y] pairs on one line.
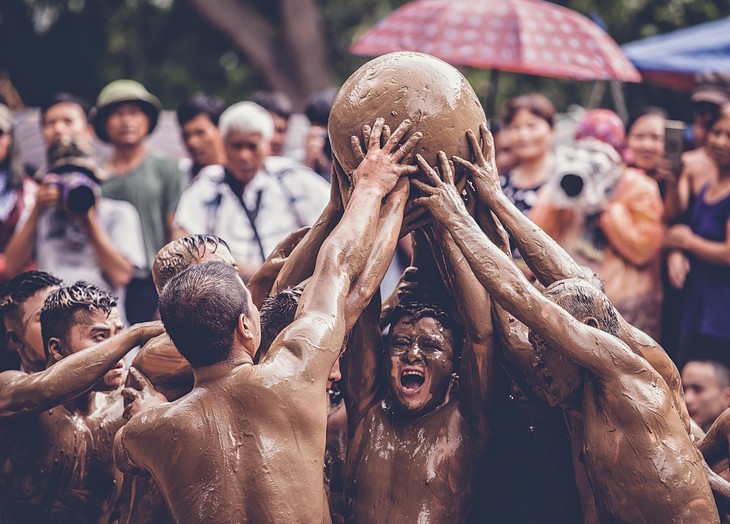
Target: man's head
[[711, 91], [422, 351], [77, 317], [558, 377], [178, 255], [125, 113], [198, 118], [280, 107], [20, 307], [208, 313], [247, 129], [65, 116], [706, 390]]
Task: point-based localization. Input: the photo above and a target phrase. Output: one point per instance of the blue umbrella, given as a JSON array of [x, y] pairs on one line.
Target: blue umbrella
[[683, 53]]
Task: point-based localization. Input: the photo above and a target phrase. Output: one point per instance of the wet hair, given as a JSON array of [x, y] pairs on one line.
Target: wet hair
[[180, 254], [64, 98], [418, 309], [24, 286], [318, 106], [247, 117], [200, 308], [582, 299], [645, 111], [277, 312], [61, 306], [537, 104], [274, 102], [722, 372], [200, 104]]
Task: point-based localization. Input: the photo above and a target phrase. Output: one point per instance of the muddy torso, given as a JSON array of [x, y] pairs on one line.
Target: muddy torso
[[58, 466], [639, 459], [417, 470]]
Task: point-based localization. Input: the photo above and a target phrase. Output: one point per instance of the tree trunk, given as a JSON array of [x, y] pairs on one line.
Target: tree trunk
[[291, 54]]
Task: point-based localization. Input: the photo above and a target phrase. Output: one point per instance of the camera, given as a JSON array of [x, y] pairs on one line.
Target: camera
[[79, 192], [586, 176]]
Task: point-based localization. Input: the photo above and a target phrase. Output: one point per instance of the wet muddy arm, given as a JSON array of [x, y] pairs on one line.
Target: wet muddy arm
[[319, 328], [128, 447], [21, 393], [473, 305], [714, 445]]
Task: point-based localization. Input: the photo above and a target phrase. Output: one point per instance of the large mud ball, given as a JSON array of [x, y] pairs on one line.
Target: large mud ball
[[431, 93]]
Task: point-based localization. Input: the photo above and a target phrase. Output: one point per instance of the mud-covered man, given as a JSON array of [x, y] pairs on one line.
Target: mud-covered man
[[57, 426]]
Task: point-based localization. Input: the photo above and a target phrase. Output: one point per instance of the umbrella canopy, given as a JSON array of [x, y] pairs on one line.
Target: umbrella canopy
[[674, 58], [522, 36]]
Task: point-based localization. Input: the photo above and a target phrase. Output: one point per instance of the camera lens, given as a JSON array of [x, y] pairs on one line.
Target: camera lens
[[80, 199], [572, 185]]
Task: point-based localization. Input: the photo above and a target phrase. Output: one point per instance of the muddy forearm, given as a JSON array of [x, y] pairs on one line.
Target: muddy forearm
[[543, 255], [71, 376]]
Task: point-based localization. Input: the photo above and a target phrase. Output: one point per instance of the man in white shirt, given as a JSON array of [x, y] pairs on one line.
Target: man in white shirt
[[253, 201]]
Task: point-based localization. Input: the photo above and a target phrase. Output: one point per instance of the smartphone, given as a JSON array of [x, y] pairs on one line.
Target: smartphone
[[674, 144]]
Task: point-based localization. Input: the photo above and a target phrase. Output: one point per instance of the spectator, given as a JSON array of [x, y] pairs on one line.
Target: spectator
[[255, 200], [529, 120], [65, 115], [701, 263], [279, 107], [611, 221], [698, 168], [706, 390], [198, 119], [72, 232], [125, 114], [317, 148], [17, 191]]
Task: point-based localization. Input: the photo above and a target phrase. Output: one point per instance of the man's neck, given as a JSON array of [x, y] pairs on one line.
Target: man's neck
[[126, 158], [215, 372]]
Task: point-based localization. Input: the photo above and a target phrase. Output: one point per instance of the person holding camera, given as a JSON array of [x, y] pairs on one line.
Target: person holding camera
[[72, 231]]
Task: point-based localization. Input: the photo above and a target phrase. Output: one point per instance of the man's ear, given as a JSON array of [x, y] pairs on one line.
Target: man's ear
[[591, 321], [726, 396], [54, 348], [244, 327]]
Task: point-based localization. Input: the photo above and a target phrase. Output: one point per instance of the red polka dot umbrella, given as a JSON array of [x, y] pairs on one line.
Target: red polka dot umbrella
[[522, 36]]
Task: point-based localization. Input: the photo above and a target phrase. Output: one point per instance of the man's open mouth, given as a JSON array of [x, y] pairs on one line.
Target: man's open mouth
[[412, 379]]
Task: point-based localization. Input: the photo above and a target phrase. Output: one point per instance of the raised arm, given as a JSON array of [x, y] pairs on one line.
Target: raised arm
[[588, 347], [22, 393], [318, 331]]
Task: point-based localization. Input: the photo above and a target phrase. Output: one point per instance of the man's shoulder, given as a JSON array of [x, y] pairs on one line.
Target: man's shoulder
[[286, 169]]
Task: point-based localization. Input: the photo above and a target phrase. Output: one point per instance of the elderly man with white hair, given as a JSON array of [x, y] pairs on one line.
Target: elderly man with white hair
[[255, 200]]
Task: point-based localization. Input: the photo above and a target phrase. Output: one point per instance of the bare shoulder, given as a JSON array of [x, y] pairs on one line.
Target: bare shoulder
[[306, 332]]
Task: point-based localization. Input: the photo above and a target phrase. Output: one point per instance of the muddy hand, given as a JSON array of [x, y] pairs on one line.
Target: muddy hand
[[440, 196], [139, 394], [381, 168]]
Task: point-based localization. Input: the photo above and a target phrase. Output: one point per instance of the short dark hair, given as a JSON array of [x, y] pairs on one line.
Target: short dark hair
[[65, 98], [274, 102], [537, 104], [645, 111], [24, 286], [722, 372], [182, 253], [582, 299], [200, 308], [61, 306], [200, 104], [277, 312]]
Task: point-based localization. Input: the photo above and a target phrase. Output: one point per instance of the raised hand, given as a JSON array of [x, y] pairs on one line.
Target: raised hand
[[139, 394], [483, 172], [381, 168], [442, 198]]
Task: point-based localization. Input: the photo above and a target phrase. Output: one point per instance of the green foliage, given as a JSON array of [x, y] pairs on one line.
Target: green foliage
[[80, 45]]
